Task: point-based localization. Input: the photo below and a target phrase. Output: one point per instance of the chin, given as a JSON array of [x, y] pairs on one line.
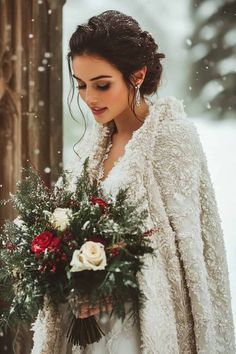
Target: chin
[[102, 120]]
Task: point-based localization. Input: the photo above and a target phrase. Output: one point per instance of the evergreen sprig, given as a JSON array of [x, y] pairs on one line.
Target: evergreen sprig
[[37, 251]]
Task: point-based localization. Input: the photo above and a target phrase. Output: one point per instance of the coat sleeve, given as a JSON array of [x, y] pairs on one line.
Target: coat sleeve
[[181, 170], [50, 328]]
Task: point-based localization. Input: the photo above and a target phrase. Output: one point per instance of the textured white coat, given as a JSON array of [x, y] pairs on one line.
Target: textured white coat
[[188, 303]]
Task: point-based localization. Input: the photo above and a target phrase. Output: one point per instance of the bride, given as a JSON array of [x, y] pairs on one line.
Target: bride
[[152, 148]]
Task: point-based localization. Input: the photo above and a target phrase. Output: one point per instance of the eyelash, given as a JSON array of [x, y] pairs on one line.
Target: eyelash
[[102, 88]]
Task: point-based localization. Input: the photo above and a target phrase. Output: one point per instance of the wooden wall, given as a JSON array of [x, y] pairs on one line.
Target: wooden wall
[[30, 102]]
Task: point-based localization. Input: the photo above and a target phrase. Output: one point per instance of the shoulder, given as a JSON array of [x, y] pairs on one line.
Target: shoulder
[[175, 130], [170, 108]]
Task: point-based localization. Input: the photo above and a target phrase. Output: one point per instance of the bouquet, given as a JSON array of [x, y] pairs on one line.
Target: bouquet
[[69, 246]]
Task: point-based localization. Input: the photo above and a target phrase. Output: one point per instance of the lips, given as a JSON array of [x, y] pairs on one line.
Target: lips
[[98, 110]]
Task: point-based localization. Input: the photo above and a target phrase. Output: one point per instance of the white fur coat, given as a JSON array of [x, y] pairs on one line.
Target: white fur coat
[[188, 304]]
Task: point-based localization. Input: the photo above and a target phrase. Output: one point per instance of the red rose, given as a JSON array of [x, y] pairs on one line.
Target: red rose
[[54, 244], [45, 240], [41, 242], [99, 201]]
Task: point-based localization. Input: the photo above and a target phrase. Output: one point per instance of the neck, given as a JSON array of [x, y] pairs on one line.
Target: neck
[[126, 122]]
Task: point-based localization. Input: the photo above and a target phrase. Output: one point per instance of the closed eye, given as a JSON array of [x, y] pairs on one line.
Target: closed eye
[[99, 87]]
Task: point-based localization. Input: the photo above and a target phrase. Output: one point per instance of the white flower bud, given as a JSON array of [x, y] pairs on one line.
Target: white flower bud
[[60, 218]]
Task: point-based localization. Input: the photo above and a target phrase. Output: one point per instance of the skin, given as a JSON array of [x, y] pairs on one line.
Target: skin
[[115, 97]]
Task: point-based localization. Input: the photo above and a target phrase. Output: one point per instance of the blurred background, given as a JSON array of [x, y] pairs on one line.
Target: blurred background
[[198, 38]]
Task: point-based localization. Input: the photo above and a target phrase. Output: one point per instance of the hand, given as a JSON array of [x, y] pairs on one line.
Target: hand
[[87, 310], [81, 308]]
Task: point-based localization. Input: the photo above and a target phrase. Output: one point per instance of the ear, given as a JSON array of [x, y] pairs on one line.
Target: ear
[[138, 76]]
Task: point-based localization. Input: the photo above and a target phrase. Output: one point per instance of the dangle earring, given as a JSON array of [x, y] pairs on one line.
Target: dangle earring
[[137, 96]]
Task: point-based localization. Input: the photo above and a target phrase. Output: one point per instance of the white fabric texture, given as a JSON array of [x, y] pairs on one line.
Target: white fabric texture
[[187, 305]]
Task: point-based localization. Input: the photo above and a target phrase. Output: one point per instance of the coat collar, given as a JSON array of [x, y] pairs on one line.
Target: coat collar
[[142, 136]]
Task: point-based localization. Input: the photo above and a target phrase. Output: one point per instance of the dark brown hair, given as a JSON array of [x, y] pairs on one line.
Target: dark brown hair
[[118, 38]]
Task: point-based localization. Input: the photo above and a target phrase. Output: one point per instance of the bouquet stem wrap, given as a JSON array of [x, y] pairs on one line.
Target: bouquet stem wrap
[[83, 331]]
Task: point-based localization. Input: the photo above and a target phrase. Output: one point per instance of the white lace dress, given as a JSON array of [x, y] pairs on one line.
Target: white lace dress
[[120, 337], [187, 307]]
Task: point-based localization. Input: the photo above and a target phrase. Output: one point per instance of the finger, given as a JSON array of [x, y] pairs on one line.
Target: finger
[[89, 313], [86, 309], [95, 311]]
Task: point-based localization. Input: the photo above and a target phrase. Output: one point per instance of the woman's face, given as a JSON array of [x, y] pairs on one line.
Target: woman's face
[[100, 86]]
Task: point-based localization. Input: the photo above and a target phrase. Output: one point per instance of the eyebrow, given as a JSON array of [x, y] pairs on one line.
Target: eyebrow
[[94, 78]]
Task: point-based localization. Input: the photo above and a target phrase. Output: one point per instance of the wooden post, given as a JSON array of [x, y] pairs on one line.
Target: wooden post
[[30, 103]]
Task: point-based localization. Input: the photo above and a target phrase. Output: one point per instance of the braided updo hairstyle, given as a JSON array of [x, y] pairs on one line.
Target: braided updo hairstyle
[[118, 38]]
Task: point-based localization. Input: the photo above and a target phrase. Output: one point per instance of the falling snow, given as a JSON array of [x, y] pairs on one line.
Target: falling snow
[[48, 55], [47, 170], [188, 42], [41, 68]]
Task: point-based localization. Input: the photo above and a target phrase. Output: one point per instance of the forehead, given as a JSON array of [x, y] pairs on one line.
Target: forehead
[[87, 66]]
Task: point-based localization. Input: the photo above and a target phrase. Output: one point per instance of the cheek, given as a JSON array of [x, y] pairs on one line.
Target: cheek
[[118, 95]]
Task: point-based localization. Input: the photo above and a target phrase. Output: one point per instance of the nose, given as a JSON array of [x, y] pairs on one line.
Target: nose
[[90, 97]]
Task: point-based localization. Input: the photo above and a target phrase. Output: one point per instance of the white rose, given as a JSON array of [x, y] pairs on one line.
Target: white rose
[[91, 256], [60, 218]]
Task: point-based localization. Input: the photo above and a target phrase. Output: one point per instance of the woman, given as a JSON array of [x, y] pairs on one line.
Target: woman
[[152, 148]]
